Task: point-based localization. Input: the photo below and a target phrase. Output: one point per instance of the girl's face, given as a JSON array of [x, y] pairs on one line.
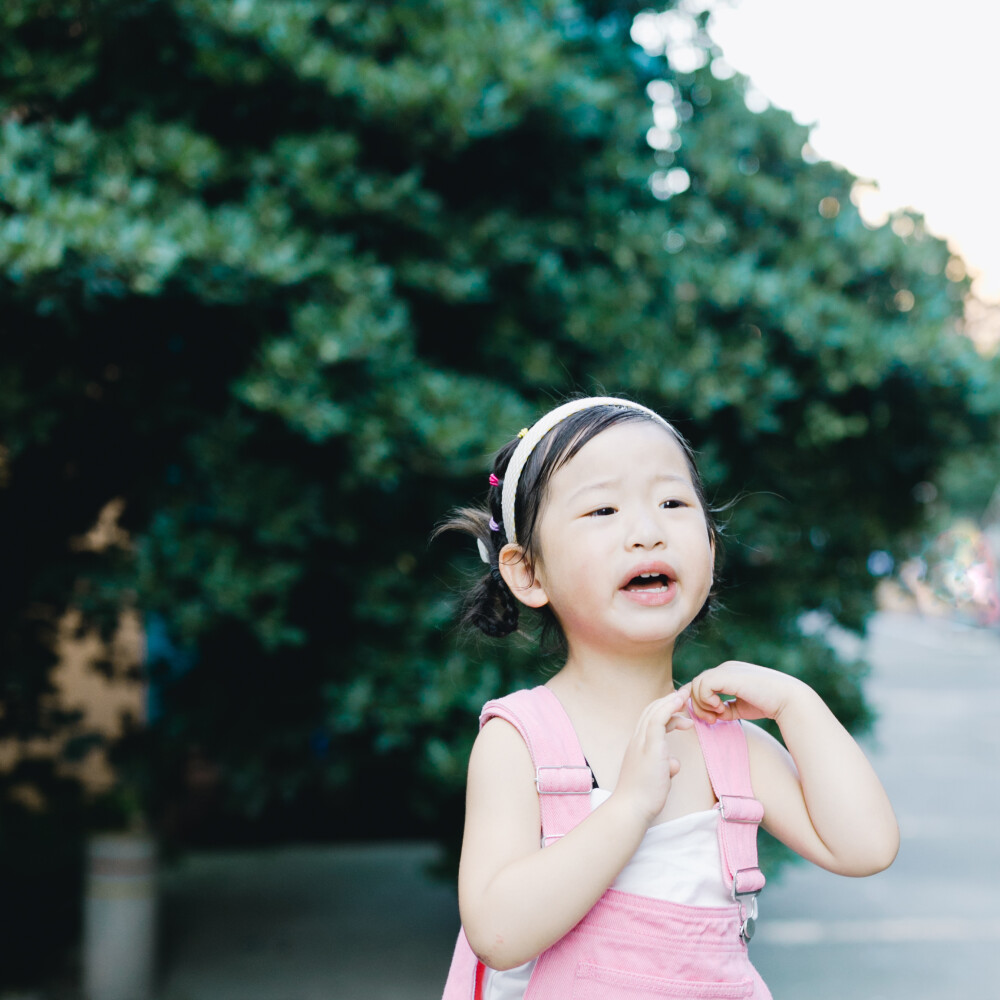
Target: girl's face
[[624, 556]]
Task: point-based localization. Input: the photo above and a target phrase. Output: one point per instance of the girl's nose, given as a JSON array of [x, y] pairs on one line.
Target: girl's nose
[[645, 533]]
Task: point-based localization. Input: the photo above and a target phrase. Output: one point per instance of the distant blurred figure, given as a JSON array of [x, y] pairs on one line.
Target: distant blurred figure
[[956, 576]]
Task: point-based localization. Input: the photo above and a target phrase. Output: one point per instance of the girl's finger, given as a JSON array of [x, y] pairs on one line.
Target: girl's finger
[[678, 721], [707, 704], [663, 708]]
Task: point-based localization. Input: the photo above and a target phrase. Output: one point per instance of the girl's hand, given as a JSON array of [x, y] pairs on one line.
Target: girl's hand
[[820, 794], [757, 692], [648, 767]]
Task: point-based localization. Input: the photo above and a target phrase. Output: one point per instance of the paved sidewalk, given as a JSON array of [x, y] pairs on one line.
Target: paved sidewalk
[[365, 922], [307, 923]]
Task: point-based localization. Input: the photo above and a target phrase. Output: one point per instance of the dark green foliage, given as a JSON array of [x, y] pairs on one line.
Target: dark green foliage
[[41, 872], [282, 275]]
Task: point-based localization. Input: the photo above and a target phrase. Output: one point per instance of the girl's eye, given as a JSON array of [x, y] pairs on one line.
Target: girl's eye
[[672, 504], [602, 512]]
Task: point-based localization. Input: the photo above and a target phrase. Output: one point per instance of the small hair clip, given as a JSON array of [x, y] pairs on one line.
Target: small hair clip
[[493, 480], [493, 525], [522, 432]]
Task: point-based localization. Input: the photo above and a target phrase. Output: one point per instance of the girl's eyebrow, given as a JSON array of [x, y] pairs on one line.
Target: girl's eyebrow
[[664, 477], [587, 487]]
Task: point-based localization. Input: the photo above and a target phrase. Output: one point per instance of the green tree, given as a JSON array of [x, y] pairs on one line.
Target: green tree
[[282, 275]]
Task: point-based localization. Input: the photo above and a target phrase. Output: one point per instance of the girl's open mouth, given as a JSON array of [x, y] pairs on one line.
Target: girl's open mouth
[[650, 588], [648, 582]]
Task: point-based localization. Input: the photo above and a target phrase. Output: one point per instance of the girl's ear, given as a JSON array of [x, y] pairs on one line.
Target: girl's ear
[[520, 577]]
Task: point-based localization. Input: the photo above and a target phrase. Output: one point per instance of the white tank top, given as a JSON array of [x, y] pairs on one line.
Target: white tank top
[[678, 861]]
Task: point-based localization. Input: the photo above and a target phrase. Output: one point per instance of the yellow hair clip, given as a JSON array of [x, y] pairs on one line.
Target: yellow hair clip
[[522, 432]]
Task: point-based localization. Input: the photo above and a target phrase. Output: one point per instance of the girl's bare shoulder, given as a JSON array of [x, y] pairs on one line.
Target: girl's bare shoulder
[[775, 779], [500, 759], [765, 751], [502, 815]]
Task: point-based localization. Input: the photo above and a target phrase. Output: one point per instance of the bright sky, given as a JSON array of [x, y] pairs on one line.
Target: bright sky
[[902, 92]]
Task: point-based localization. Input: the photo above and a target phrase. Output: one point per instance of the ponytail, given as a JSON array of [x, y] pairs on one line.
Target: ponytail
[[489, 606]]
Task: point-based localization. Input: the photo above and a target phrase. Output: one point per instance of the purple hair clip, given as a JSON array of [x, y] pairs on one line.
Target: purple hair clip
[[493, 525]]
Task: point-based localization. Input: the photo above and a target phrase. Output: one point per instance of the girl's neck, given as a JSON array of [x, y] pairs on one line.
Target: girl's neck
[[628, 681]]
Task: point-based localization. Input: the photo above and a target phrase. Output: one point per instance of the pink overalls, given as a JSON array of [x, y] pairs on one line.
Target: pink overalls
[[631, 947]]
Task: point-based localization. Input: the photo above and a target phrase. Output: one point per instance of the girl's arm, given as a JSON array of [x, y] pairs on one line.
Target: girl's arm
[[821, 797], [517, 899]]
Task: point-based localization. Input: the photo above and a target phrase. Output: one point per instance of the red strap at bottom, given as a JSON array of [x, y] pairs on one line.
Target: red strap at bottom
[[480, 976]]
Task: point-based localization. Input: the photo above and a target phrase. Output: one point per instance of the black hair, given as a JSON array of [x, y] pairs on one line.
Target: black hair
[[490, 606]]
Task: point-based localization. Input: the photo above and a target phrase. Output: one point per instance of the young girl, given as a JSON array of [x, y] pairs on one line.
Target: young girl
[[610, 836]]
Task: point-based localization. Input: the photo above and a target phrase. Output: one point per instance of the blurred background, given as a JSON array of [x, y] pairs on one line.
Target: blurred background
[[277, 278]]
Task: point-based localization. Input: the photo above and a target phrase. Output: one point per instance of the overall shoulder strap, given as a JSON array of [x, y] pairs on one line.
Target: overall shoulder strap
[[562, 776], [724, 747]]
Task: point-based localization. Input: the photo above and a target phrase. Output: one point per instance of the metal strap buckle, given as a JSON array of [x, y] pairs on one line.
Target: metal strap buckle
[[748, 921], [560, 767]]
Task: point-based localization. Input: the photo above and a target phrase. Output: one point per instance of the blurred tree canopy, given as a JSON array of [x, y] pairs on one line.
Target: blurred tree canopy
[[283, 275]]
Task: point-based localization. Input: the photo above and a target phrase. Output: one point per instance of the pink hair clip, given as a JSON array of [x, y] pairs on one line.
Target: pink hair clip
[[493, 480]]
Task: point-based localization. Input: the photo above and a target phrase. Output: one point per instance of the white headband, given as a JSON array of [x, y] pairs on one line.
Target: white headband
[[538, 430]]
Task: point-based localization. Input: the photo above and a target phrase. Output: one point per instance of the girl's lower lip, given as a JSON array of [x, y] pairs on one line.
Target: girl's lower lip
[[652, 598]]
